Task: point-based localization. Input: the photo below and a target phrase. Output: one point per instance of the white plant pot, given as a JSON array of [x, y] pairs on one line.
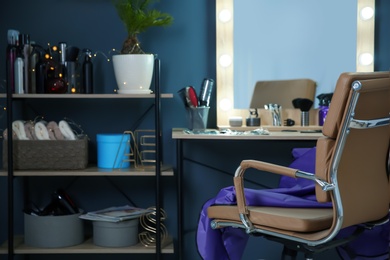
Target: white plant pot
[[133, 73]]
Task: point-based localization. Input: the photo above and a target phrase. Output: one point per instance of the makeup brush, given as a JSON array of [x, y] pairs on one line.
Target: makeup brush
[[189, 97], [304, 104], [295, 102]]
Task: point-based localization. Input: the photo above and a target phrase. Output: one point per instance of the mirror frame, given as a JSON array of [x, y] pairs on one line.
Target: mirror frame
[[225, 55]]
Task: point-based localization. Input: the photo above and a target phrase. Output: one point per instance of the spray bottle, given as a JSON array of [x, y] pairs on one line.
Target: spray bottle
[[87, 73], [13, 38], [35, 58], [26, 49], [324, 102], [41, 69]]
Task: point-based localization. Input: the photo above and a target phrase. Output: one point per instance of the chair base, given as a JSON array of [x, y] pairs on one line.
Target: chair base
[[291, 248]]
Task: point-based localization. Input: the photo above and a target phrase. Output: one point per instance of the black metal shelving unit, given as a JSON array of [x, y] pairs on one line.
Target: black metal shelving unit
[[10, 247]]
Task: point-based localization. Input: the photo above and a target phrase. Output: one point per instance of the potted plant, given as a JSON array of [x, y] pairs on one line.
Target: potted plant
[[133, 67]]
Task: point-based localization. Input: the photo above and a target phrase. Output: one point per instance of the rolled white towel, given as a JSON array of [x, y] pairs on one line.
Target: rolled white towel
[[18, 129], [29, 129], [41, 131], [55, 131], [66, 130], [5, 134]]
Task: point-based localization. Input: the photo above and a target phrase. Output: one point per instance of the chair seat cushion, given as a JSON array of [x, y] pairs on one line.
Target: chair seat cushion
[[288, 219]]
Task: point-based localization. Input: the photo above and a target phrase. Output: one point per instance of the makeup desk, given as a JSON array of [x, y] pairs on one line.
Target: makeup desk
[[190, 147]]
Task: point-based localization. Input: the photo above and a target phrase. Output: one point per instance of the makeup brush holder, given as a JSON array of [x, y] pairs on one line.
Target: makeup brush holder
[[197, 117], [305, 118], [275, 113]]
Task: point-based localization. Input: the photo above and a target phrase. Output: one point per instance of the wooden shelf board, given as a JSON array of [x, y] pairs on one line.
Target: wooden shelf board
[[94, 171], [21, 96], [87, 247]]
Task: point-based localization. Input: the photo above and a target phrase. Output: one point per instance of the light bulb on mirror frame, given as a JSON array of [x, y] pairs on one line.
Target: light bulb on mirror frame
[[225, 104], [225, 60], [366, 13], [225, 15], [366, 59]]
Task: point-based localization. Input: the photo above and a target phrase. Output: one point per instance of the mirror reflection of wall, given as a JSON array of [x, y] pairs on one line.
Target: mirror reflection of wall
[[290, 39]]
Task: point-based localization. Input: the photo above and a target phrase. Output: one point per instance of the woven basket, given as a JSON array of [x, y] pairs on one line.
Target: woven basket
[[48, 154]]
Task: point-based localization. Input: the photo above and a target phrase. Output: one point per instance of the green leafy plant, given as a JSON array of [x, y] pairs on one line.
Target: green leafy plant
[[137, 18]]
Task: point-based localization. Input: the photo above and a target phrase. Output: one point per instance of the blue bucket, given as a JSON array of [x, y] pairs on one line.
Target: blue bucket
[[113, 150]]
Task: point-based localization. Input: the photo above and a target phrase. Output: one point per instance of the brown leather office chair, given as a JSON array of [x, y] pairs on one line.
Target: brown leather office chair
[[351, 172]]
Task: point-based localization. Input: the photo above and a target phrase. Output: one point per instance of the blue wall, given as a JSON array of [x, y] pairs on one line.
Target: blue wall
[[187, 53]]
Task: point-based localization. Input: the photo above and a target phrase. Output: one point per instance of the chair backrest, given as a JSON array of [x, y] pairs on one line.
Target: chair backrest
[[356, 159], [388, 172], [282, 92]]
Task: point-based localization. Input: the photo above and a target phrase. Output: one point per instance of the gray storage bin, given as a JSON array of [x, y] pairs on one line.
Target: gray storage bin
[[115, 234], [53, 231]]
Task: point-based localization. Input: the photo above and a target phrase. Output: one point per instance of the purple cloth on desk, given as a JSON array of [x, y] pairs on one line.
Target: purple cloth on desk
[[229, 243]]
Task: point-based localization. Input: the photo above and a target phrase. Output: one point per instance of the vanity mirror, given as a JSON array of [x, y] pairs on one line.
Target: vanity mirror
[[237, 26]]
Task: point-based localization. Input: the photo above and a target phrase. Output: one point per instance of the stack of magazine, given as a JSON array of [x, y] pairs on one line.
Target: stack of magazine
[[116, 214]]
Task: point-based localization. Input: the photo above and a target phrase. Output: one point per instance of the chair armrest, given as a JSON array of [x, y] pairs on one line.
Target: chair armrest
[[259, 165], [268, 167]]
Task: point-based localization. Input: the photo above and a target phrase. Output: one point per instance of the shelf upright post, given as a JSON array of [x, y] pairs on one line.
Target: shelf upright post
[[179, 183], [157, 106], [10, 176]]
